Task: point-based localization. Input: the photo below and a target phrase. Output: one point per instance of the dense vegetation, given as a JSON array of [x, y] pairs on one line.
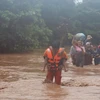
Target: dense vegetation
[[28, 24]]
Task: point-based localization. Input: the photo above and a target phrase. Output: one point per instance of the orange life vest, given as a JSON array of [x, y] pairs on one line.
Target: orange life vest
[[53, 60]]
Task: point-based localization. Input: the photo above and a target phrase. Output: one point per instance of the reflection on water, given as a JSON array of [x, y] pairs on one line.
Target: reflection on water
[[55, 92]]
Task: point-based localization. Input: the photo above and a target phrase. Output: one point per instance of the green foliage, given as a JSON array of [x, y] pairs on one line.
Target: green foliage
[[21, 25], [57, 15], [87, 19], [28, 24]]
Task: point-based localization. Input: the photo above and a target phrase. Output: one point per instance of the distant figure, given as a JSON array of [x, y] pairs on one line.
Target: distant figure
[[88, 39], [96, 55], [99, 52], [88, 54], [99, 48], [77, 49], [55, 58], [80, 54], [73, 52]]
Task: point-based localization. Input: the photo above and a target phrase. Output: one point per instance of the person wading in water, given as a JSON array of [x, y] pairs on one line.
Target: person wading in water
[[55, 58]]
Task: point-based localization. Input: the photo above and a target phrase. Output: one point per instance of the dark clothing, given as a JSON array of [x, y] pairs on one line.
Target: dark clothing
[[96, 56], [73, 57], [79, 59], [87, 59], [88, 55], [99, 51], [97, 60]]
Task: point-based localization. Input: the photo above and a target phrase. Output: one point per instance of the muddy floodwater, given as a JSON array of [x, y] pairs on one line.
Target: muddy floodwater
[[21, 78]]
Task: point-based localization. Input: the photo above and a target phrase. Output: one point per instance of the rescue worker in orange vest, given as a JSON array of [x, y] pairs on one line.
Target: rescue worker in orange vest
[[55, 57]]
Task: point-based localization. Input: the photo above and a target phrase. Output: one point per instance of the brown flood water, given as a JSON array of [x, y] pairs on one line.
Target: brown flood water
[[21, 79]]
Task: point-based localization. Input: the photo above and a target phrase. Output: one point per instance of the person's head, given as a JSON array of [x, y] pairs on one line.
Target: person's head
[[89, 37], [80, 43], [56, 45], [88, 44], [74, 42]]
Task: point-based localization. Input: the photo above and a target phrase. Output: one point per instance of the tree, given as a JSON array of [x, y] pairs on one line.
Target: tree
[[21, 25], [87, 19], [57, 15]]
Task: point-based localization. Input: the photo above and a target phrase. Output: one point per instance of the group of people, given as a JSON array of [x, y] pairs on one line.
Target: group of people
[[55, 57], [85, 53]]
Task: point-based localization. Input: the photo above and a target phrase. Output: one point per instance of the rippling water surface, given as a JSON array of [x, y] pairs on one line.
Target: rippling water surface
[[21, 78]]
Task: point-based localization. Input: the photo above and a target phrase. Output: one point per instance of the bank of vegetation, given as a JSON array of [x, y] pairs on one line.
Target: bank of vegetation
[[29, 24]]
